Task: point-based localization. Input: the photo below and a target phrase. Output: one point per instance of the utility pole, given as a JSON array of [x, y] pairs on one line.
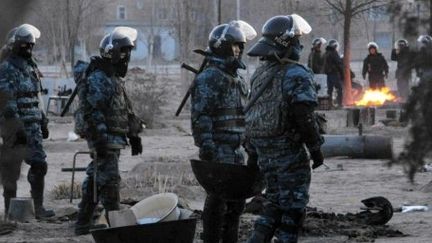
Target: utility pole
[[219, 11], [238, 9]]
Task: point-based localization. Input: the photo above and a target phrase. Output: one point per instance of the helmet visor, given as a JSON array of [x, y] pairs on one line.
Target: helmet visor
[[300, 25], [124, 32], [248, 31], [239, 30], [27, 32]]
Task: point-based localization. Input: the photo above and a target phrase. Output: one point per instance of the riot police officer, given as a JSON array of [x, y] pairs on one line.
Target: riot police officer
[[281, 128], [218, 121], [315, 59], [333, 67], [403, 56], [20, 82], [109, 121], [419, 110], [375, 66]]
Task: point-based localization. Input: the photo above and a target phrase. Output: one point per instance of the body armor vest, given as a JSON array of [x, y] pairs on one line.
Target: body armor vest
[[27, 87], [116, 116], [269, 116], [227, 115]]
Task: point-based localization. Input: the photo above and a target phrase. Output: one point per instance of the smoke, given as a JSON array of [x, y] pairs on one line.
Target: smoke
[[12, 13]]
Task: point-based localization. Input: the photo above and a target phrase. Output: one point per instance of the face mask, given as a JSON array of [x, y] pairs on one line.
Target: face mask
[[24, 50]]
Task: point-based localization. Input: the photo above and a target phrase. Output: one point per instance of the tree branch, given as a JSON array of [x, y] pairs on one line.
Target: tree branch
[[361, 7], [335, 7]]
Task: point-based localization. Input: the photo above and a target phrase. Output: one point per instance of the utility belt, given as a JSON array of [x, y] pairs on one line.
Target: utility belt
[[27, 105], [221, 118], [26, 94]]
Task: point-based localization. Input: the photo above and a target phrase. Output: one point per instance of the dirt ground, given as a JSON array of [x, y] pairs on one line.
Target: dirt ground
[[168, 149]]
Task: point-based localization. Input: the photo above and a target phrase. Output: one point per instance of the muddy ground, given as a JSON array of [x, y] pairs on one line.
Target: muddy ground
[[164, 166]]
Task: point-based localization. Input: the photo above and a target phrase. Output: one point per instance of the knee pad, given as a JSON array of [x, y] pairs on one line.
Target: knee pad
[[39, 169]]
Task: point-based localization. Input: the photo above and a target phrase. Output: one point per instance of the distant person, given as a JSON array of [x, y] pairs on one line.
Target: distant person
[[333, 67], [316, 58], [375, 66], [403, 56]]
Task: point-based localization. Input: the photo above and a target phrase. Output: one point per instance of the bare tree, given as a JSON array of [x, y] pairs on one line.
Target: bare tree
[[349, 9], [65, 23]]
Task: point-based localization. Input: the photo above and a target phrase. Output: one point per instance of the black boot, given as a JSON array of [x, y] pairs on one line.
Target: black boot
[[212, 219], [86, 210], [7, 195], [232, 221], [36, 177]]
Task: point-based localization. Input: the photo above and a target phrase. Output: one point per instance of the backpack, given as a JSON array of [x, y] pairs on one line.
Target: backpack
[[80, 72]]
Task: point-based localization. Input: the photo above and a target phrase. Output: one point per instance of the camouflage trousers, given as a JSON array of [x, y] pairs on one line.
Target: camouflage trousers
[[107, 180], [35, 152], [288, 179]]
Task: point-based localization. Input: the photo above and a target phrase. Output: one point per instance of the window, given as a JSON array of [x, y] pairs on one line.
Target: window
[[378, 13], [383, 39], [121, 12], [163, 13]]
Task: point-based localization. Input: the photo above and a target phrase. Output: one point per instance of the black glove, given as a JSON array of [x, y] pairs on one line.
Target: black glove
[[318, 158], [100, 146], [45, 131], [44, 126], [208, 151], [136, 145], [21, 138]]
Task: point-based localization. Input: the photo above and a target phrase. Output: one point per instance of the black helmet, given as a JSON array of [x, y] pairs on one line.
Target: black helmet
[[223, 36], [318, 41], [277, 34], [334, 44], [116, 46]]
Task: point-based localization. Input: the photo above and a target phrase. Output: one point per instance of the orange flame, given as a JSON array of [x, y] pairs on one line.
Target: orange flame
[[376, 97]]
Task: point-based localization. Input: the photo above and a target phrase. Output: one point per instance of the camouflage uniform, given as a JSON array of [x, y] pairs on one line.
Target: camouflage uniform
[[218, 127], [418, 109], [107, 115], [19, 80], [277, 133]]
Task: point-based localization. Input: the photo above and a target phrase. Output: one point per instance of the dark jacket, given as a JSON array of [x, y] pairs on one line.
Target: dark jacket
[[316, 60], [375, 65], [404, 61], [333, 64]]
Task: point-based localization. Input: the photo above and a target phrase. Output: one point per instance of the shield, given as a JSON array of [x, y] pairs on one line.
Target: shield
[[229, 181], [170, 231]]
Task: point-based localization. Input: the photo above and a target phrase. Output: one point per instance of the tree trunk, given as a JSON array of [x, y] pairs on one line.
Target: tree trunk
[[348, 100]]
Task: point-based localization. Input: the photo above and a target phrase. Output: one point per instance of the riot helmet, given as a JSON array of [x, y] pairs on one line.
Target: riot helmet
[[117, 45], [279, 33], [333, 44], [223, 36], [318, 42], [372, 45], [424, 41], [400, 44], [22, 39]]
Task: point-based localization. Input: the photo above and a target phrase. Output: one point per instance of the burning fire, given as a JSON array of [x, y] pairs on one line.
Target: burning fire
[[376, 97]]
